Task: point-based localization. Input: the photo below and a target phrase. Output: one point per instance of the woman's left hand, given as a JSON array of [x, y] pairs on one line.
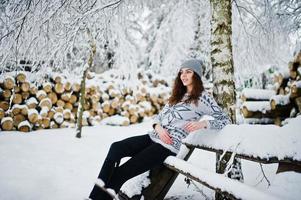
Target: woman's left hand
[[192, 126]]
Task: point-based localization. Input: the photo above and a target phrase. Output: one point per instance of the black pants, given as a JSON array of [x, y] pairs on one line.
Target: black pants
[[145, 155]]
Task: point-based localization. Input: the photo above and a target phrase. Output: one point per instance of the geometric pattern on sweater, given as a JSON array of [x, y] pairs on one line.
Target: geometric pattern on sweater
[[174, 117]]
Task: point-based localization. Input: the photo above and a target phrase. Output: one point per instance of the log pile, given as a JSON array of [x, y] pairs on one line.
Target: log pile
[[274, 106], [54, 104]]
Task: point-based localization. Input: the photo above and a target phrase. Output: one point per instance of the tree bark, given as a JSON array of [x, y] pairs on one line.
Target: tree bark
[[223, 74], [83, 86]]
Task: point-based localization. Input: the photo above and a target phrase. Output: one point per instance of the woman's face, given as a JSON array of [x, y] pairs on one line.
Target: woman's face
[[186, 76]]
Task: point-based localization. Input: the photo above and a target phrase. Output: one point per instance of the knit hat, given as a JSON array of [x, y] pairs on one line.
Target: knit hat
[[194, 64]]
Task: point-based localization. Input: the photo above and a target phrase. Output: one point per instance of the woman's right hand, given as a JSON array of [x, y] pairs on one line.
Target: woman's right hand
[[163, 134]]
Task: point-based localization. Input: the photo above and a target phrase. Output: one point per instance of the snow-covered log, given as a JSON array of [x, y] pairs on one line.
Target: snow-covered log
[[15, 109], [41, 94], [7, 94], [21, 77], [116, 120], [53, 97], [45, 122], [32, 102], [9, 82], [249, 94], [60, 103], [47, 87], [17, 99], [7, 123], [67, 86], [68, 105], [59, 88], [25, 86], [4, 105], [66, 96], [46, 102], [58, 117], [33, 89], [17, 119], [24, 126], [76, 87], [281, 102], [33, 115]]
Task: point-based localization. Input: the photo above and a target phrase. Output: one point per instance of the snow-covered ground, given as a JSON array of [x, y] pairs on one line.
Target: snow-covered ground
[[54, 164]]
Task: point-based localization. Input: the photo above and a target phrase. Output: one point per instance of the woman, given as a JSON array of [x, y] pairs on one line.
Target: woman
[[187, 104]]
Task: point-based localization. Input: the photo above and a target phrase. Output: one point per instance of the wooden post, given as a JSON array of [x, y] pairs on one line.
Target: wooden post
[[161, 179]]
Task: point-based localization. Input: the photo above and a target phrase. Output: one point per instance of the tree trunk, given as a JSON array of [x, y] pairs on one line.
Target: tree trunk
[[223, 73], [83, 86]]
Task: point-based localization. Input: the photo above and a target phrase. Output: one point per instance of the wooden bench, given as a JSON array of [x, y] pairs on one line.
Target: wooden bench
[[271, 145]]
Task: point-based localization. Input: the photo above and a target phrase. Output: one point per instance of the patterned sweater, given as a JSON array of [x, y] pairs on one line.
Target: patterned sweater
[[175, 117]]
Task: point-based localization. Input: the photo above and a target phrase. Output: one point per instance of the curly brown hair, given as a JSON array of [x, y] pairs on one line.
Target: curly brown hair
[[179, 90]]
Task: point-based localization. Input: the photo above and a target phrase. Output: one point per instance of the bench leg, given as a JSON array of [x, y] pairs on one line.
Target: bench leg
[[235, 173], [161, 179]]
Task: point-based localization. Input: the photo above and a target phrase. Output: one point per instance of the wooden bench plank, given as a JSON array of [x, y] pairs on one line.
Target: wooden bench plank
[[234, 189], [268, 160], [264, 144]]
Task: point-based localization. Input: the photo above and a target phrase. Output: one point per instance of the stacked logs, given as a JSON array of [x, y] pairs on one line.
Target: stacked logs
[[54, 104], [260, 107]]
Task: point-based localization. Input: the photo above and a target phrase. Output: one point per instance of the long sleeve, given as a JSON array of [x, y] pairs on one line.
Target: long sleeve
[[158, 118], [209, 106]]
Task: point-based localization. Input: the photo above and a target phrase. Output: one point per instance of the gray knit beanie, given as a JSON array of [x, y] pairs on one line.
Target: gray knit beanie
[[194, 64]]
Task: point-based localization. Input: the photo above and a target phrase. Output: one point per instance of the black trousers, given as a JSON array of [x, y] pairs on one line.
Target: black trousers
[[145, 155]]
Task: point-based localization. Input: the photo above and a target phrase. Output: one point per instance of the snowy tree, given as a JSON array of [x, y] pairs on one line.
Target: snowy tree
[[172, 31], [264, 34], [223, 73]]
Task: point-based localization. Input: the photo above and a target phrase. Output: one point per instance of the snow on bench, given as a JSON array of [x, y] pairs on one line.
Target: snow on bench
[[259, 143], [218, 182], [264, 143]]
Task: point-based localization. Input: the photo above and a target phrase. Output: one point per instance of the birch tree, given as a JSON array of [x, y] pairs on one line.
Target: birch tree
[[223, 73]]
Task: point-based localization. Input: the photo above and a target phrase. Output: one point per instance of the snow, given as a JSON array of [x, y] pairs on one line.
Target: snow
[[234, 187], [105, 96], [146, 104], [86, 114], [44, 111], [32, 111], [258, 120], [244, 139], [258, 93], [19, 106], [254, 106], [47, 84], [11, 78], [58, 117], [6, 119], [135, 185], [67, 111], [281, 99], [116, 120], [24, 123], [54, 164], [44, 100], [41, 93], [31, 100]]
